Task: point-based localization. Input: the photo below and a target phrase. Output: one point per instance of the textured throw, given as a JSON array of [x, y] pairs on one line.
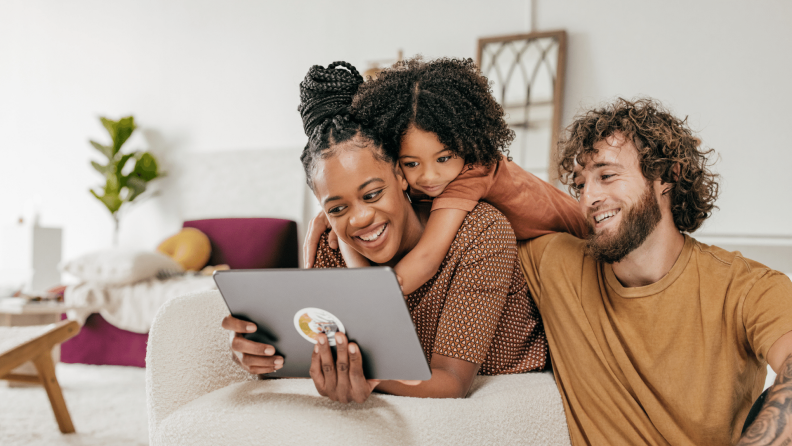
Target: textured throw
[[130, 307]]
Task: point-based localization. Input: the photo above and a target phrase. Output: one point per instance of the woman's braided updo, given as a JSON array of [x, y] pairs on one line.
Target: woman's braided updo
[[325, 97]]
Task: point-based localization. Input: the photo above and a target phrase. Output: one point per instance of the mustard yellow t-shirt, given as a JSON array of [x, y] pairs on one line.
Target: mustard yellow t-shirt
[[677, 362]]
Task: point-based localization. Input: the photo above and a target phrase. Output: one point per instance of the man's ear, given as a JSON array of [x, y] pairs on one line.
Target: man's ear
[[667, 186]]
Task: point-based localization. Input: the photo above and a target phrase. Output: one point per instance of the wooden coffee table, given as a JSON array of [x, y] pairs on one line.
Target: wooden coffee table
[[14, 312]]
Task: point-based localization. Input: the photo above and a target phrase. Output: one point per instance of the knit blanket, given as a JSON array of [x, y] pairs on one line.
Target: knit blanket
[[130, 307]]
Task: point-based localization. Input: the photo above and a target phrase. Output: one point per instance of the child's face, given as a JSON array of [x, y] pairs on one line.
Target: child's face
[[427, 164]]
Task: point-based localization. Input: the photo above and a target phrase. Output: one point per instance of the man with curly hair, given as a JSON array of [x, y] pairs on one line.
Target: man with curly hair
[[656, 338]]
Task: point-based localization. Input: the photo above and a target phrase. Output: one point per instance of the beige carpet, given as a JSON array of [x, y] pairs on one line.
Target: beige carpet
[[107, 405]]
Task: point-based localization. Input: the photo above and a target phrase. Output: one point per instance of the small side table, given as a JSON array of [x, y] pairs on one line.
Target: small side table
[[16, 313]]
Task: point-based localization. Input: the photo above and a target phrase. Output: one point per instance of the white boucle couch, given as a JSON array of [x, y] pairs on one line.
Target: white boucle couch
[[197, 395]]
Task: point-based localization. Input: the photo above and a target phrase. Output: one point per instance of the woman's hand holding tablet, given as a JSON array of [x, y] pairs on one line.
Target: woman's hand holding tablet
[[341, 380], [254, 357]]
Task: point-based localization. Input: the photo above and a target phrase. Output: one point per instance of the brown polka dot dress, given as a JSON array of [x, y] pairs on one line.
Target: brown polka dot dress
[[476, 308]]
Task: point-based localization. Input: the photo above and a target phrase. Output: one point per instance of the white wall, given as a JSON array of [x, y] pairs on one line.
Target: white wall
[[212, 76], [724, 64], [199, 76]]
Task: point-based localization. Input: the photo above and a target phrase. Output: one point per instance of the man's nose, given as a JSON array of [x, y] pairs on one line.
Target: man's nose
[[362, 216], [591, 195]]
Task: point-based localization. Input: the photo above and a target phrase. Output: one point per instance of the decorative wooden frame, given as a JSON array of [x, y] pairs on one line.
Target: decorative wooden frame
[[491, 48]]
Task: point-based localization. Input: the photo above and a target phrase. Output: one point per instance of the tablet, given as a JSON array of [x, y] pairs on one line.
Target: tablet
[[291, 306]]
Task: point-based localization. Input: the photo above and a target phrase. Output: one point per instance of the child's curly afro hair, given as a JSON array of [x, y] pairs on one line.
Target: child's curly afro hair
[[448, 97]]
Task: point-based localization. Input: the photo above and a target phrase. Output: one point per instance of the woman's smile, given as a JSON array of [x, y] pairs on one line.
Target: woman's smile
[[372, 236]]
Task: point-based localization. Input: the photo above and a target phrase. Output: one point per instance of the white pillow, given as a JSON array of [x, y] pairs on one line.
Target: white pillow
[[119, 266]]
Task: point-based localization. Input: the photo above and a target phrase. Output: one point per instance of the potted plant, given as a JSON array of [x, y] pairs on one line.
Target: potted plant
[[126, 174]]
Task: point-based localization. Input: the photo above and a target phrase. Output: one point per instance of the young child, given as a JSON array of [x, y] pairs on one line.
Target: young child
[[440, 121]]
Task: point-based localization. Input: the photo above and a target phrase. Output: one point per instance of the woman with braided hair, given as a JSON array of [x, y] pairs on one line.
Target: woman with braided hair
[[440, 120], [325, 97], [473, 317]]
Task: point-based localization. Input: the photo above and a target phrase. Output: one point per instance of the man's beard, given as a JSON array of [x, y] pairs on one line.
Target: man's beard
[[637, 223]]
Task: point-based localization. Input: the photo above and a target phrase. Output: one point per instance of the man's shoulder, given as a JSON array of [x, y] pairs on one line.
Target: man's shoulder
[[728, 265], [558, 247], [740, 274]]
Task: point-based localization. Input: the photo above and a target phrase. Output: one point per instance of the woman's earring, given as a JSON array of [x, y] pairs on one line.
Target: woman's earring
[[408, 196]]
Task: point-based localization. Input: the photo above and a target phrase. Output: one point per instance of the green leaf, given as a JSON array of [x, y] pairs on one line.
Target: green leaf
[[146, 167], [122, 162], [100, 168], [136, 187], [119, 131], [105, 150], [113, 185], [111, 201], [110, 126], [120, 188], [122, 180]]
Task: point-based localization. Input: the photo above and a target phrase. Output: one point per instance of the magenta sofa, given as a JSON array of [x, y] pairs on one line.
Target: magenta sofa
[[241, 243]]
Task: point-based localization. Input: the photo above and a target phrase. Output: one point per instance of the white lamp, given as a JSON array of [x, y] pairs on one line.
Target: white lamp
[[29, 256]]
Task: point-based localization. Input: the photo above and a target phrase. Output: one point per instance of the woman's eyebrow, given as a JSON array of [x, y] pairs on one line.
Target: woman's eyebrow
[[329, 199], [369, 182]]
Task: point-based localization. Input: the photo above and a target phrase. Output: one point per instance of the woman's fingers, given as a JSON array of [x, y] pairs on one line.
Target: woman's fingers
[[253, 356], [261, 364], [238, 325], [328, 367], [343, 387], [316, 371], [343, 379], [242, 345], [361, 388]]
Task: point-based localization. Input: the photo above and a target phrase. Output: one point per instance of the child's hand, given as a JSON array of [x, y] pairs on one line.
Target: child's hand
[[352, 258], [316, 228], [401, 282]]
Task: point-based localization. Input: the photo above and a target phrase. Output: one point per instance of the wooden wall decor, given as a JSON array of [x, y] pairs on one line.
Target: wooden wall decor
[[527, 76]]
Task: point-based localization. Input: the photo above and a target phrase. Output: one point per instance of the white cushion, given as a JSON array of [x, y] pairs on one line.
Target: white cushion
[[119, 266], [509, 409]]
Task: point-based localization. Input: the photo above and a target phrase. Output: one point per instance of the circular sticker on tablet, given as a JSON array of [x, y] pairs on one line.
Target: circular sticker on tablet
[[309, 322]]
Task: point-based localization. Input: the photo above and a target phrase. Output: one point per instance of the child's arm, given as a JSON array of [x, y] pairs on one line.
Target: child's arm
[[420, 264], [352, 258], [318, 226]]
